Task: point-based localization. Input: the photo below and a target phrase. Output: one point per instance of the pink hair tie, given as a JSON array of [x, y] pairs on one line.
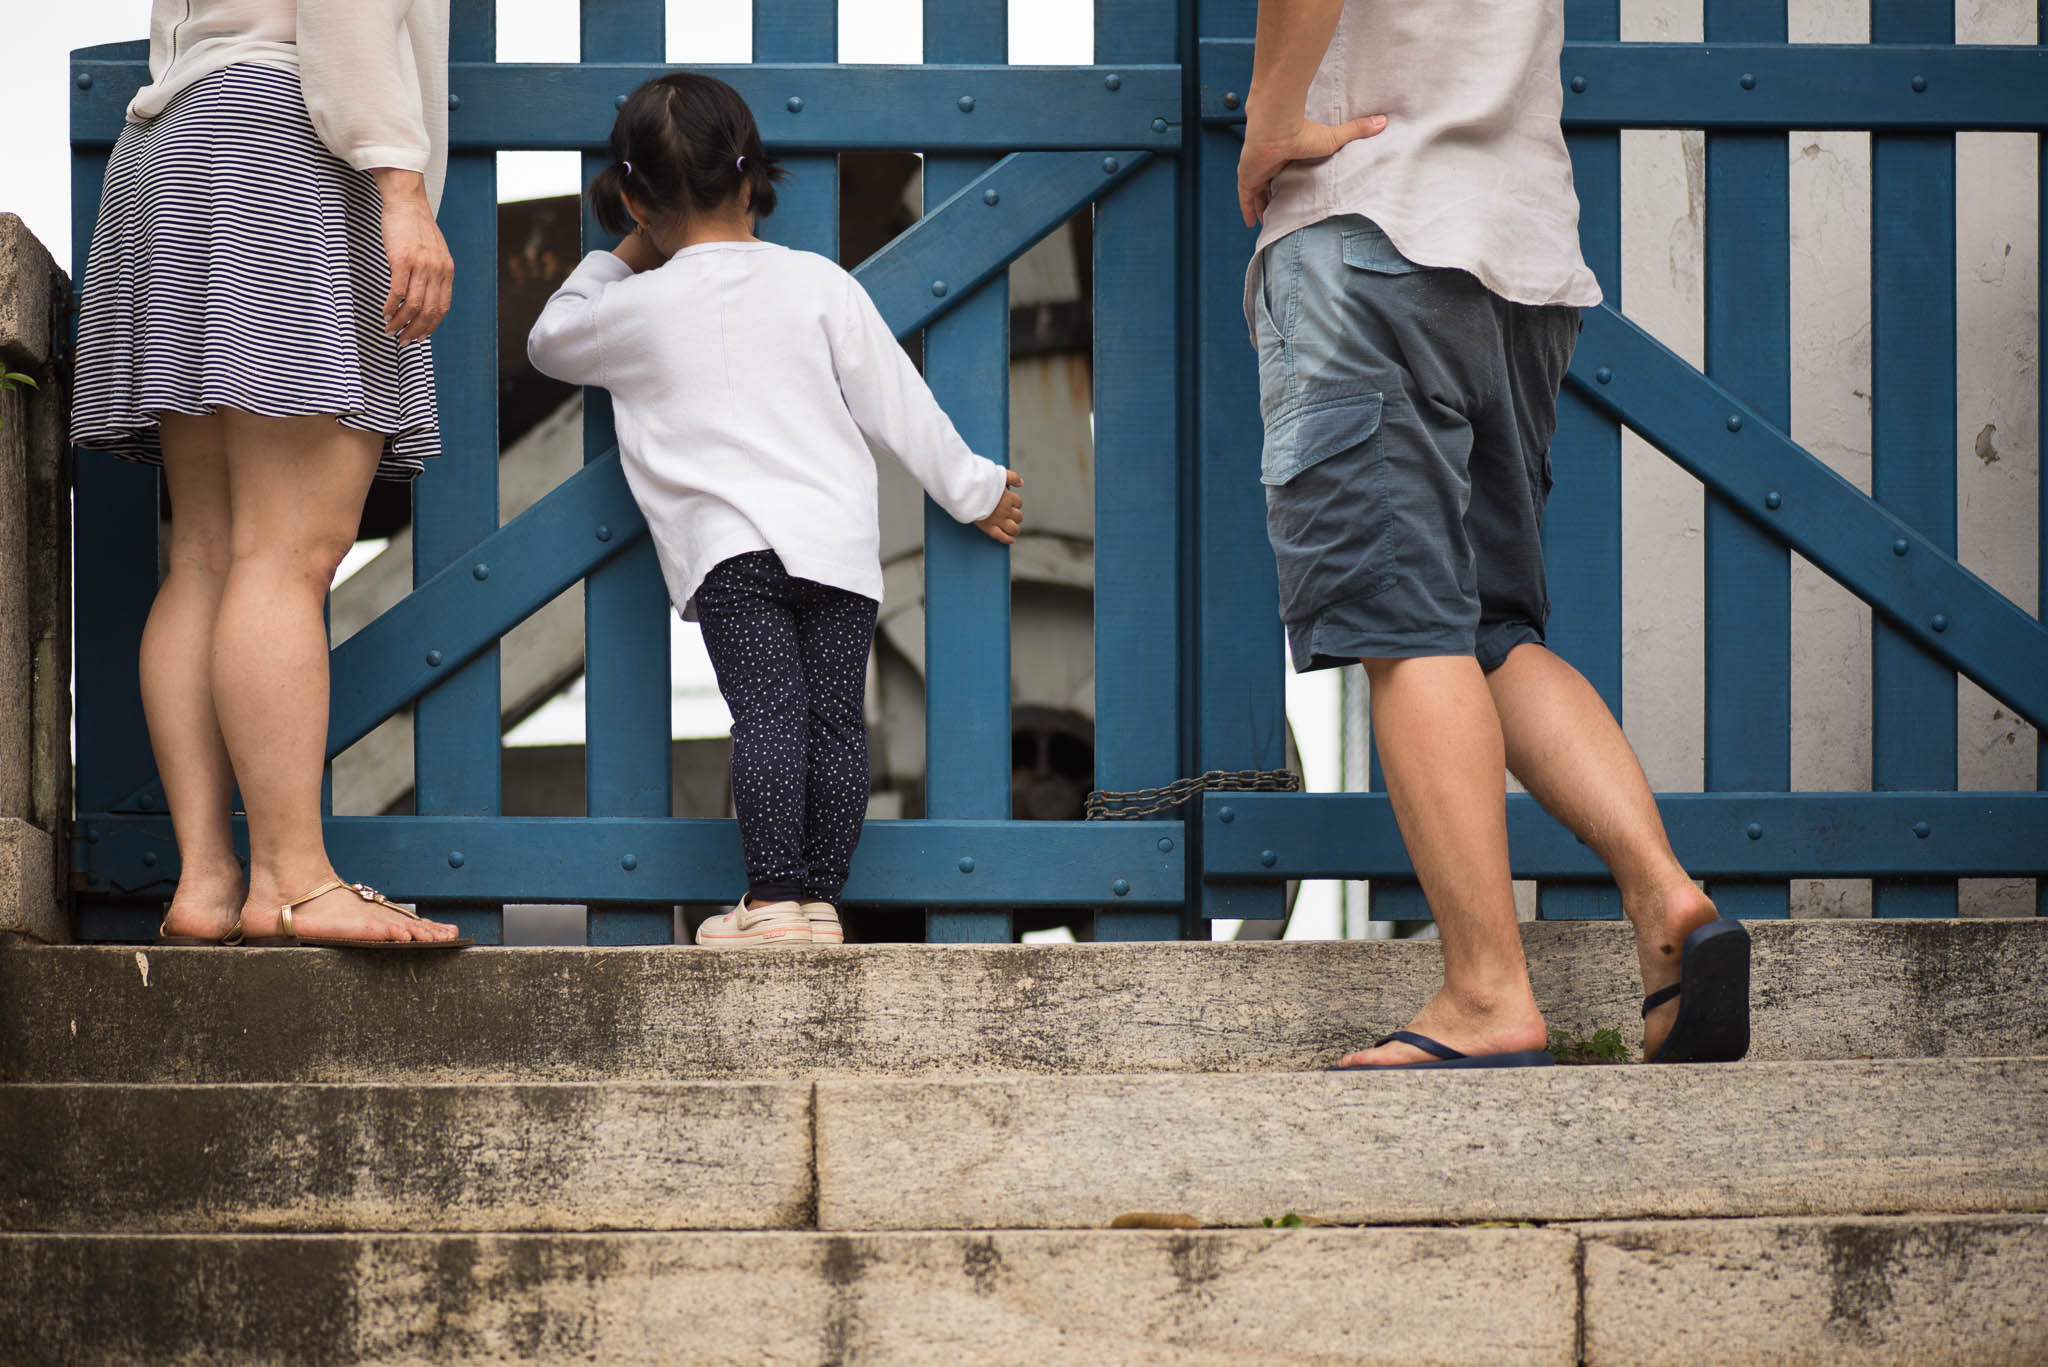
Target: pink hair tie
[[629, 167], [740, 165]]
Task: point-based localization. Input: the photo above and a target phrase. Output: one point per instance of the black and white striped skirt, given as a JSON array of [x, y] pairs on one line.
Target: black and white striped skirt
[[237, 263]]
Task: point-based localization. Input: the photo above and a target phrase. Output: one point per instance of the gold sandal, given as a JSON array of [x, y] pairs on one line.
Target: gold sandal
[[368, 894], [164, 937]]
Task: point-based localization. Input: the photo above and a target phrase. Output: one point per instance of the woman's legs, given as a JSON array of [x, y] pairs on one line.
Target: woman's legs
[[295, 491], [177, 688]]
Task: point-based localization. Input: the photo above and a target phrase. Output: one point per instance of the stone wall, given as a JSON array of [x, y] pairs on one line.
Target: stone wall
[[35, 590]]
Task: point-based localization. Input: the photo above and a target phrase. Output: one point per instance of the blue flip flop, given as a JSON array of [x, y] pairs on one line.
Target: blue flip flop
[[1447, 1057], [1713, 997]]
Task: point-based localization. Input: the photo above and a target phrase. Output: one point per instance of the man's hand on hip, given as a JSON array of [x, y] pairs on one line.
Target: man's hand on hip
[[1269, 144]]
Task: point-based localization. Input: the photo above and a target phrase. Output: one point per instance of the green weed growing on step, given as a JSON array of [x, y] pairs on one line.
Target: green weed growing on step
[[1291, 1220], [1605, 1046]]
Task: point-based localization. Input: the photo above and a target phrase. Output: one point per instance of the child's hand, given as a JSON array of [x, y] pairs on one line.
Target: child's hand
[[639, 251], [1008, 519]]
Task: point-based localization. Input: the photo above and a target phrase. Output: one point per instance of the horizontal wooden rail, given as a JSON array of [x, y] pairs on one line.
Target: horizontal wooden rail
[[660, 860], [800, 107], [1731, 87], [1716, 835]]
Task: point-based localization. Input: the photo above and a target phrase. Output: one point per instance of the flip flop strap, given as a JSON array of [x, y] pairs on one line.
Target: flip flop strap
[[1422, 1042], [1659, 997]]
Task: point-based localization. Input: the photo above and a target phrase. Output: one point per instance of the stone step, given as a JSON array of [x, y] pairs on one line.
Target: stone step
[[1955, 1136], [297, 1156], [1923, 1290], [1524, 1144], [1823, 990]]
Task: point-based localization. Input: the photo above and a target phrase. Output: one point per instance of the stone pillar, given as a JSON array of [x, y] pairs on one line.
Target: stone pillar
[[35, 591]]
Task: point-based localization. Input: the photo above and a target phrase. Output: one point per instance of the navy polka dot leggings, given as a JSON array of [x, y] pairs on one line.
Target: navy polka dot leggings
[[792, 662]]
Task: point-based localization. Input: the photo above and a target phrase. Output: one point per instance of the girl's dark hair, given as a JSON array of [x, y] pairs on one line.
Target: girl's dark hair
[[692, 145]]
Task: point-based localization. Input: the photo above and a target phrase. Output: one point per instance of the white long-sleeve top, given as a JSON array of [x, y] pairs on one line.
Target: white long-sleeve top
[[374, 72], [744, 377]]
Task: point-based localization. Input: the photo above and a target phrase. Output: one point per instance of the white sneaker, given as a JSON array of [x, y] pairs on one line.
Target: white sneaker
[[825, 927], [770, 923]]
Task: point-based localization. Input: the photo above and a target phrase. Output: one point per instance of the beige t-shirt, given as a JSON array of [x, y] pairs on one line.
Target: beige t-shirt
[[1471, 169], [374, 72]]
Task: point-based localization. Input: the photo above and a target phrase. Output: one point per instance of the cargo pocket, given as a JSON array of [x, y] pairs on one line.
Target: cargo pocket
[[1317, 431], [1329, 513]]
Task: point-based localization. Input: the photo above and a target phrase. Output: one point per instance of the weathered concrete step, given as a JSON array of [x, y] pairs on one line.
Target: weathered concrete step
[[548, 1156], [1904, 1291], [1029, 1153], [1351, 1148], [1824, 989], [1926, 1291]]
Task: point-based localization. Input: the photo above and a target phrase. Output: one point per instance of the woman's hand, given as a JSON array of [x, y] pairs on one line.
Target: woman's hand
[[422, 272], [1008, 519]]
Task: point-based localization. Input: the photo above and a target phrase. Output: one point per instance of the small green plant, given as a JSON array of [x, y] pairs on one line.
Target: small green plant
[[14, 379], [1292, 1221], [1605, 1046]]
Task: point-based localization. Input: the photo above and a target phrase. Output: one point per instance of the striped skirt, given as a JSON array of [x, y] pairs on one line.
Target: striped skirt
[[237, 263]]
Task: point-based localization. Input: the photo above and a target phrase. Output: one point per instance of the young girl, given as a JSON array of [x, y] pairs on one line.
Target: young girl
[[744, 377]]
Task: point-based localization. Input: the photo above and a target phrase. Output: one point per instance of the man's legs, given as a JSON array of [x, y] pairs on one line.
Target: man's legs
[[1443, 729], [1568, 751], [1442, 752]]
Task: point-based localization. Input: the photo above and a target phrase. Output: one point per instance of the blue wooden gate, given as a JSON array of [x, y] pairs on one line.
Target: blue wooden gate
[[1188, 655]]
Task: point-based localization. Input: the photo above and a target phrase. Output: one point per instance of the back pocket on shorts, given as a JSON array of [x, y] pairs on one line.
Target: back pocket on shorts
[[1369, 248], [1311, 435]]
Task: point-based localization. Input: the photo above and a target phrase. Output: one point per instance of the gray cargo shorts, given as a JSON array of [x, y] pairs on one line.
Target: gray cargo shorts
[[1408, 413]]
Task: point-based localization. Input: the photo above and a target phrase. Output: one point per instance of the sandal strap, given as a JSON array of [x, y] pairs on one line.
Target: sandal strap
[[370, 894], [1659, 997], [362, 890], [284, 913]]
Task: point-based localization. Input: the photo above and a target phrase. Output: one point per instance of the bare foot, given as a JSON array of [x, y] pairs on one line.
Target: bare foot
[[205, 904], [1502, 1027], [1663, 918], [342, 914]]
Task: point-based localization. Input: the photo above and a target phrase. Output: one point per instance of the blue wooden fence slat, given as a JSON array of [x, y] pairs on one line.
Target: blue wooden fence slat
[[843, 108], [1767, 835], [456, 768], [807, 212], [1906, 577], [1808, 86], [1582, 527], [455, 507], [1912, 433], [1748, 349], [626, 860], [1241, 712], [625, 603], [966, 575], [935, 265], [1140, 390]]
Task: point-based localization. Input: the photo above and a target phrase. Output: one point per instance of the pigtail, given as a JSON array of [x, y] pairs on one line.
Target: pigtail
[[758, 171], [607, 199]]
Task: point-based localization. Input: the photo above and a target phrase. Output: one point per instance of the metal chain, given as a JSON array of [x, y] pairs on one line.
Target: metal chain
[[1142, 802]]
